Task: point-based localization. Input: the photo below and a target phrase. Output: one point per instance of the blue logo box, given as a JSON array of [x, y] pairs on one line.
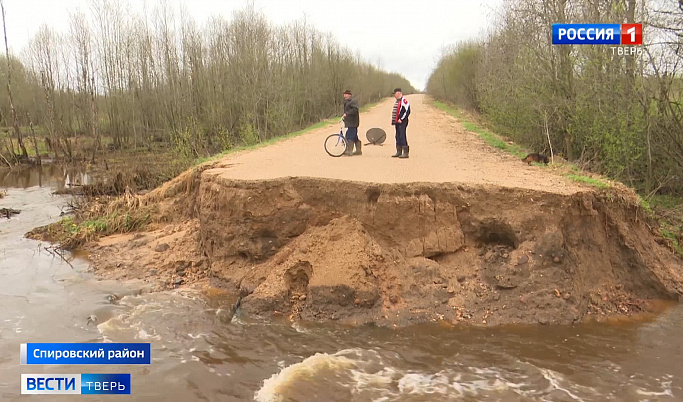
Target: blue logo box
[[75, 384], [105, 384], [586, 34], [85, 353]]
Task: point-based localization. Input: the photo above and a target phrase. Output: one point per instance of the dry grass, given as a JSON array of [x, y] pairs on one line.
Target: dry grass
[[101, 212], [96, 217]]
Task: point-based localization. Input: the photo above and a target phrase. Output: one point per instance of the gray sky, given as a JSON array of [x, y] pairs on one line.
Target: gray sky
[[399, 36]]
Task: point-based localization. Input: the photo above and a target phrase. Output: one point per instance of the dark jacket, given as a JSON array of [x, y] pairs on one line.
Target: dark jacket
[[352, 118]]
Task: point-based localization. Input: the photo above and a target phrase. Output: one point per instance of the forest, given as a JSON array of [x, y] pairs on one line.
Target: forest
[[118, 81], [620, 115]]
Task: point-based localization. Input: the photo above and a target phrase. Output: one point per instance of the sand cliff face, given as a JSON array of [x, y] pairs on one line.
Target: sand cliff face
[[322, 249]]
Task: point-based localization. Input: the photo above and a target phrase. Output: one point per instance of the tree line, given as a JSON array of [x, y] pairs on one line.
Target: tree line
[[161, 78], [620, 115]]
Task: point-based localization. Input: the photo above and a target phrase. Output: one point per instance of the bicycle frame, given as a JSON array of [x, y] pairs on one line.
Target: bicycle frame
[[340, 144], [341, 134]]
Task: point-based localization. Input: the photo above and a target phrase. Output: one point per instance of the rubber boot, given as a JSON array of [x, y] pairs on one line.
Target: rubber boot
[[358, 150], [405, 153], [398, 152], [349, 148]]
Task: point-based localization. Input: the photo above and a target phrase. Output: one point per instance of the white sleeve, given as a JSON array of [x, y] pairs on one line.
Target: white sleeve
[[406, 106]]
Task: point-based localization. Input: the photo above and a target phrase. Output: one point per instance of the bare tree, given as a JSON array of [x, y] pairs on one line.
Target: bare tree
[[619, 115], [15, 121], [161, 80]]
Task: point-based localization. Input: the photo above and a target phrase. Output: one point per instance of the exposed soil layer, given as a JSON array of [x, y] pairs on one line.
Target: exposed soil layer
[[457, 232], [323, 249]]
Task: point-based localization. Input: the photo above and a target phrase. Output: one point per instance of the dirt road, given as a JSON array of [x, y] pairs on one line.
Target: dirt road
[[441, 150], [471, 234]]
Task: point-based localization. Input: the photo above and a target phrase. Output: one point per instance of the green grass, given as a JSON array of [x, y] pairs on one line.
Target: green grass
[[367, 107], [41, 132], [105, 225], [266, 143], [588, 180], [497, 142], [493, 140], [578, 177], [8, 131], [82, 143], [671, 237], [28, 143], [73, 232], [275, 140], [97, 225], [646, 205], [444, 107], [669, 211], [31, 150], [666, 201]]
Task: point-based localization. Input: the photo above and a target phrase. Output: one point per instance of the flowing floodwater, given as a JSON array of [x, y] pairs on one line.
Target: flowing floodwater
[[199, 352]]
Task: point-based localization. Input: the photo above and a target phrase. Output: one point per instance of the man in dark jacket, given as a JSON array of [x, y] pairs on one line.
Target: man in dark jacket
[[399, 118], [351, 121]]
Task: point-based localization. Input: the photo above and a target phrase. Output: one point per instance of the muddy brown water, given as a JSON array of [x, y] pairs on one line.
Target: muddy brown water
[[202, 353]]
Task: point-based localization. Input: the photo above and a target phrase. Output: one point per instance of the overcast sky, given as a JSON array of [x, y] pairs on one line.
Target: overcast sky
[[400, 36]]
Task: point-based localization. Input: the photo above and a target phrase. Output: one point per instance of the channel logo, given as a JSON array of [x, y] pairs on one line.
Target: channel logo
[[598, 34], [631, 34], [75, 384]]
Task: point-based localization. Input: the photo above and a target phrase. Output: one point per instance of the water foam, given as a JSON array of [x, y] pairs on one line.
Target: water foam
[[666, 386], [364, 373], [555, 378], [421, 383], [274, 387]]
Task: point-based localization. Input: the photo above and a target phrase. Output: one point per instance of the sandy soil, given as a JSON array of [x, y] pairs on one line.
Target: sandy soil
[[459, 232], [441, 150]]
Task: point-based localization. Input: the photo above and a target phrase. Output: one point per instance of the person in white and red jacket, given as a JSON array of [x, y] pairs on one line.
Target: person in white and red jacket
[[399, 119]]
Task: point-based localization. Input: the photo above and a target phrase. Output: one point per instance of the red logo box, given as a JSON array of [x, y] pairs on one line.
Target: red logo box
[[631, 34]]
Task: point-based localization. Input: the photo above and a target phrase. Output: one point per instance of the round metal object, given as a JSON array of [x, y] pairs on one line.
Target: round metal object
[[376, 135]]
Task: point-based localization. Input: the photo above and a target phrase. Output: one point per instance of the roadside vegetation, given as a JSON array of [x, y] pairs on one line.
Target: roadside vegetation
[[117, 83], [136, 99], [608, 114]]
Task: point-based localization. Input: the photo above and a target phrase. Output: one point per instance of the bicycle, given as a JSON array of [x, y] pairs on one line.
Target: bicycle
[[335, 144]]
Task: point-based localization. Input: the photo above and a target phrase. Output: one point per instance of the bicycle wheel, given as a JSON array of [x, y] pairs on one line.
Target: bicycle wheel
[[335, 145]]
